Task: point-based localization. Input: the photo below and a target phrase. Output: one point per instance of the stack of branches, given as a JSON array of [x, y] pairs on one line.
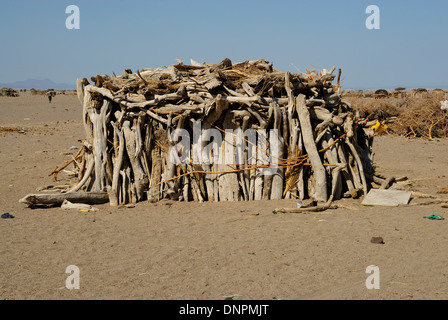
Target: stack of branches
[[423, 117], [323, 150], [413, 117], [8, 92], [35, 92]]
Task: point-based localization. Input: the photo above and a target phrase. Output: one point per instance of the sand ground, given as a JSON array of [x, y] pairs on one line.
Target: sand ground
[[176, 250]]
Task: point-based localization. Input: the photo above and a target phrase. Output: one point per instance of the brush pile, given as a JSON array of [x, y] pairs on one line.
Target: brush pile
[[219, 132], [8, 92], [36, 92]]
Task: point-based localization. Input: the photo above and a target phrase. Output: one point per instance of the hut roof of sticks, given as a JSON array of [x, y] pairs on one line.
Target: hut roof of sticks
[[323, 148], [8, 92]]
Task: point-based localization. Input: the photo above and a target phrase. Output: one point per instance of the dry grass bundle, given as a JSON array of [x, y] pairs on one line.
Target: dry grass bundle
[[413, 117], [378, 109], [423, 117]]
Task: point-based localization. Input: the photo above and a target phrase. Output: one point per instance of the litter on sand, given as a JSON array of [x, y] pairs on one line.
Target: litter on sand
[[67, 205], [435, 217], [386, 197]]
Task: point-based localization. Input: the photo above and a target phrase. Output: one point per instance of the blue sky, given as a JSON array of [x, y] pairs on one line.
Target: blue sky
[[410, 49]]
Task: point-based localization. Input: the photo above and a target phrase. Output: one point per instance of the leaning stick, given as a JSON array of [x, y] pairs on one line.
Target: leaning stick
[[89, 170], [359, 163], [140, 179], [308, 140], [76, 157], [278, 177], [113, 190], [386, 183], [80, 90]]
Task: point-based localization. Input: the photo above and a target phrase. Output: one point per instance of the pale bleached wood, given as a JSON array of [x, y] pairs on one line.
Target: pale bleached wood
[[140, 179], [346, 171], [186, 188], [353, 167], [331, 155], [98, 119], [386, 183], [328, 205], [170, 168], [82, 166], [195, 189], [268, 176], [262, 154], [323, 114], [278, 177], [248, 89], [220, 106], [80, 90], [58, 198], [228, 182], [90, 165], [321, 193], [348, 126], [246, 174], [153, 102], [207, 161], [156, 171], [113, 189]]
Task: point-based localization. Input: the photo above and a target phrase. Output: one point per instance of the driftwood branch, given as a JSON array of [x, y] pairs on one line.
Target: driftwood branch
[[58, 198], [321, 193]]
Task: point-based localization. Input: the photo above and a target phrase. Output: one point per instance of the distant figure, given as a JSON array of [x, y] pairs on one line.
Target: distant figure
[[50, 95]]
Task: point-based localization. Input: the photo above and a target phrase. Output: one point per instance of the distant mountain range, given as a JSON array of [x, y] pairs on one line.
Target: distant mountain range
[[38, 85]]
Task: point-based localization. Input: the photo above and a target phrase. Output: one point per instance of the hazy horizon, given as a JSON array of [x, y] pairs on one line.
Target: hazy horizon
[[409, 49], [38, 84]]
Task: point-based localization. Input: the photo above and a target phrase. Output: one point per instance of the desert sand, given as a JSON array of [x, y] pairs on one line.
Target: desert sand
[[176, 250]]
